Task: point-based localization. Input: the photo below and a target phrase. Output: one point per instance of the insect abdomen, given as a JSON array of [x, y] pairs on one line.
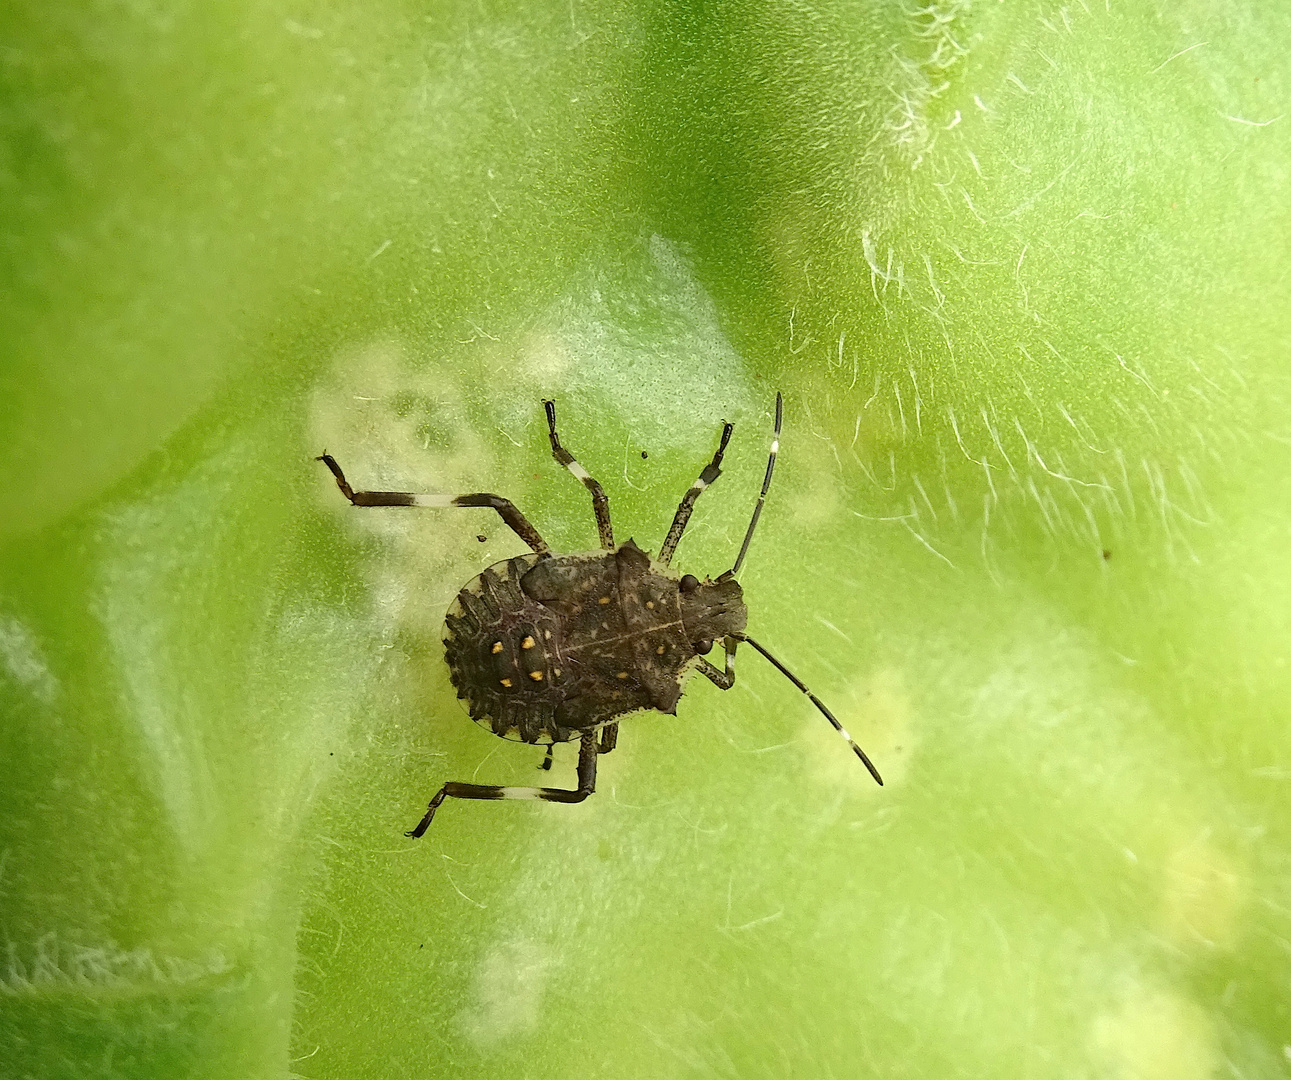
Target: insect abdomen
[[503, 655]]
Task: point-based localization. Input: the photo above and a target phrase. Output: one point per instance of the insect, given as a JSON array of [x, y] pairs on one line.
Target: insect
[[548, 648]]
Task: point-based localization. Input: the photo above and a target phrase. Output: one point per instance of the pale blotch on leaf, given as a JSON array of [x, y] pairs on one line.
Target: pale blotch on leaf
[[809, 491], [1156, 1035], [878, 714], [395, 425], [21, 660], [544, 359], [1203, 894], [508, 989]]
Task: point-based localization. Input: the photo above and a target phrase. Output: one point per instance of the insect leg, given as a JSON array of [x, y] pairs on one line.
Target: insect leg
[[546, 761], [723, 680], [586, 785], [609, 738], [711, 472], [600, 501], [505, 508]]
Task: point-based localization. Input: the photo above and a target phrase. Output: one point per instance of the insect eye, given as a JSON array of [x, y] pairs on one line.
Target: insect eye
[[703, 647], [689, 583]]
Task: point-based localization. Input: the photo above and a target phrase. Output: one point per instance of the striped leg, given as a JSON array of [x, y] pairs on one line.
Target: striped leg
[[586, 785], [505, 508], [600, 501], [608, 741], [723, 680], [711, 472]]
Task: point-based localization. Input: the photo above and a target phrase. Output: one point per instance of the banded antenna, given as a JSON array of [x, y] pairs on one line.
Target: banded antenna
[[733, 639], [766, 484], [818, 703]]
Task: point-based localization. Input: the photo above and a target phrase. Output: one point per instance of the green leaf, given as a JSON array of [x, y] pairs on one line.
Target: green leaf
[[1020, 270]]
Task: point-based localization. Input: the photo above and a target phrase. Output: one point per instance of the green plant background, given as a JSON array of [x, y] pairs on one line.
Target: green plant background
[[1021, 271]]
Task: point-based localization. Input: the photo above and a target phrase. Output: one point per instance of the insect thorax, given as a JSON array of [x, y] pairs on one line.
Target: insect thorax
[[543, 649]]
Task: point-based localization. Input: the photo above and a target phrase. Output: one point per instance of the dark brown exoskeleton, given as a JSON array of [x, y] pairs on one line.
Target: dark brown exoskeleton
[[551, 648]]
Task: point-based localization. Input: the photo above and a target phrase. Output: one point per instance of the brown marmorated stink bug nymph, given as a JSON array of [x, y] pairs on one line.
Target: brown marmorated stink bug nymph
[[549, 648]]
